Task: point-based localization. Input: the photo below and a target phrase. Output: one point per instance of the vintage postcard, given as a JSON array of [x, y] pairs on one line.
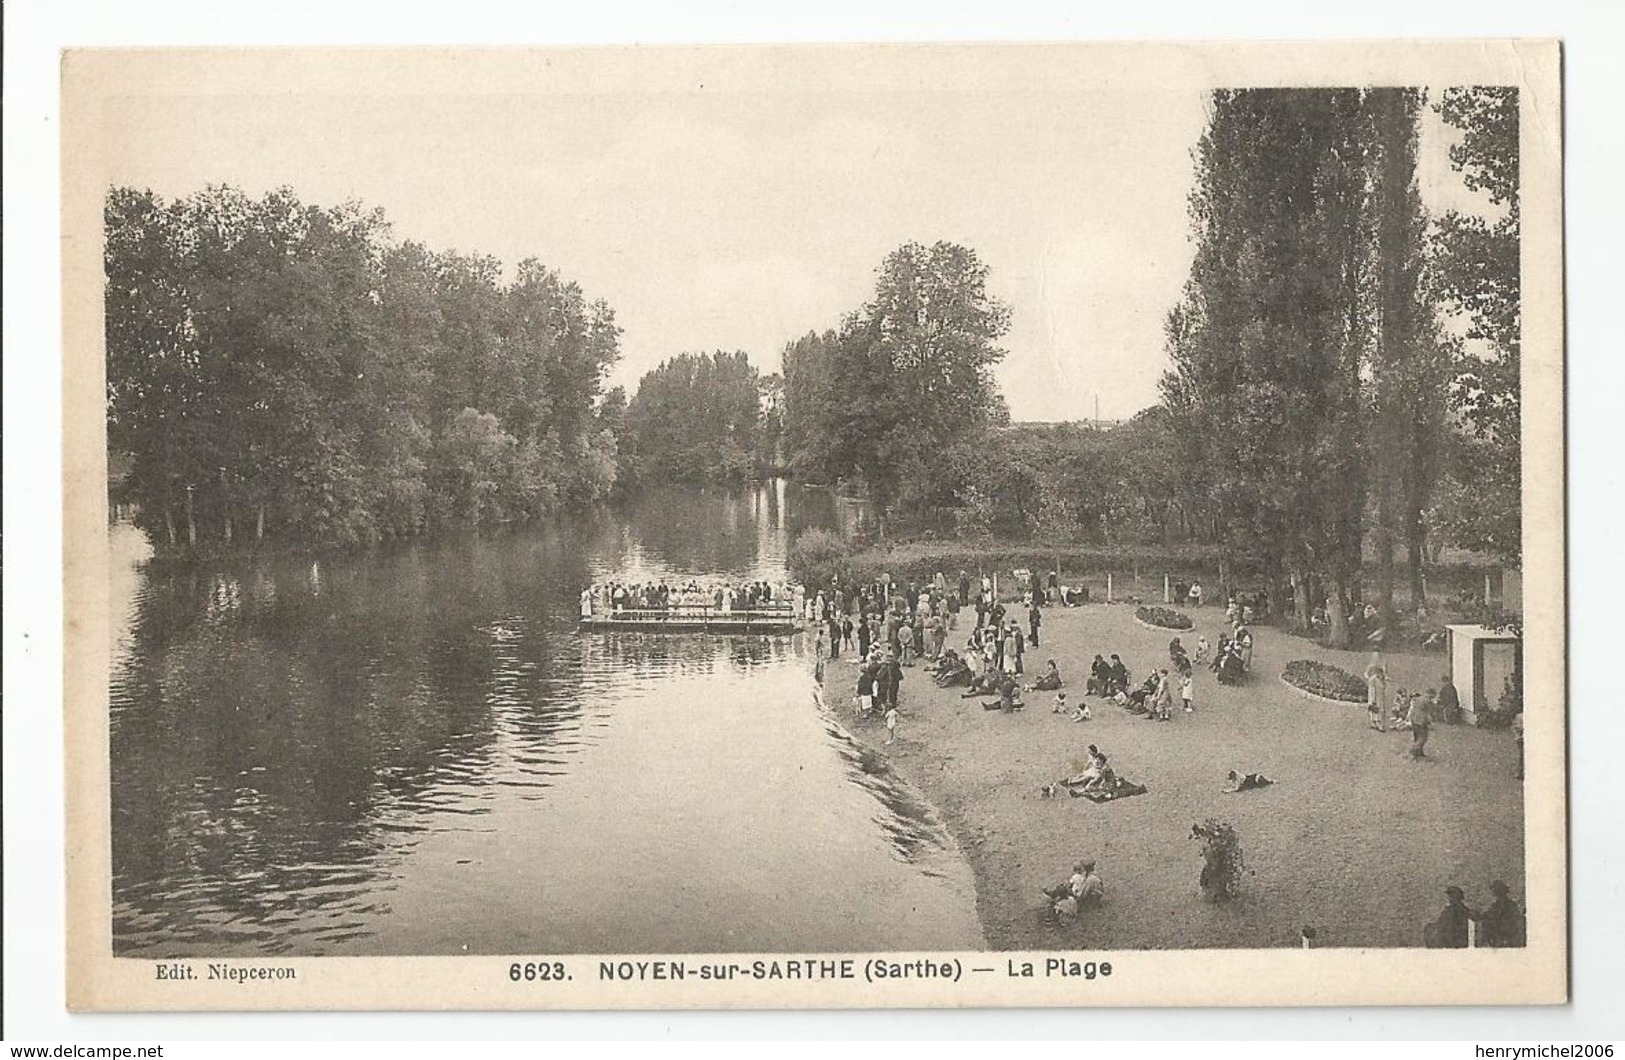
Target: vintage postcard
[[973, 525]]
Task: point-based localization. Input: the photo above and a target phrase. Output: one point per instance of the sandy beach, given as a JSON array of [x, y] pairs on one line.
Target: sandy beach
[[1357, 839]]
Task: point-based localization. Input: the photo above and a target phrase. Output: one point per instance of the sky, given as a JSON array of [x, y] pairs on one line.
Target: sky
[[731, 199]]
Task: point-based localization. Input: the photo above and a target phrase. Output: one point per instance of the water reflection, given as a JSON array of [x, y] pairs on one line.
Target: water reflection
[[416, 752]]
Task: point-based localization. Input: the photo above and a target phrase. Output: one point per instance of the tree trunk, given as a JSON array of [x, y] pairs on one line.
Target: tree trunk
[[1302, 606], [1413, 565], [1338, 619], [1382, 538], [191, 521], [259, 523], [169, 524]]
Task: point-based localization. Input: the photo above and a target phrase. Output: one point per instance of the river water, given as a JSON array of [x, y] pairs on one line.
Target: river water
[[416, 752]]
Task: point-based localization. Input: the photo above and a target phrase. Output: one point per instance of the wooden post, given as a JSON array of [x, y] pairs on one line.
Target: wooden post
[[1486, 590], [1167, 592], [1108, 587]]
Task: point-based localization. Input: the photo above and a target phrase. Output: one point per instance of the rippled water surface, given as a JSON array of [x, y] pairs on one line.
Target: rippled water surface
[[415, 752]]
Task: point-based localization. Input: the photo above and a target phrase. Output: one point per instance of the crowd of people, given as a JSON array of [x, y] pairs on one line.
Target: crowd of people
[[893, 627], [606, 598]]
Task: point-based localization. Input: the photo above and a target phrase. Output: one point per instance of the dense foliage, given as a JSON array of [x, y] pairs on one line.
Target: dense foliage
[[286, 371], [1312, 384], [884, 399], [1477, 275], [701, 418], [1323, 679], [819, 557], [1163, 617]]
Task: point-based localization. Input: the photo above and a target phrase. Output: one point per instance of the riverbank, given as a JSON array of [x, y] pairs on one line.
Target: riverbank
[[1356, 839]]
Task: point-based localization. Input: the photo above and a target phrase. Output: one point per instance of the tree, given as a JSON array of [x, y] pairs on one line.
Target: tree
[[1477, 258], [1267, 344], [887, 396], [697, 418], [283, 365], [1412, 363]]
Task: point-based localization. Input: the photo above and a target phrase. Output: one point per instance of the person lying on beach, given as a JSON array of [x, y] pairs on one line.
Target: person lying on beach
[[1050, 681], [1246, 782]]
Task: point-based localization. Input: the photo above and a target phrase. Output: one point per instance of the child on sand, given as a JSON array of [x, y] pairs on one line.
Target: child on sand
[[1060, 704], [891, 724], [1240, 781], [1187, 690]]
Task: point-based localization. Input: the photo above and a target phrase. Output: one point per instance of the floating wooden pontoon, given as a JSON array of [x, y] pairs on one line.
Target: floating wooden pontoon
[[693, 619]]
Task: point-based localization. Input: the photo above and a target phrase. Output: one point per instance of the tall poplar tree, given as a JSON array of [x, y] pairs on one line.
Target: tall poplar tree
[[1267, 344]]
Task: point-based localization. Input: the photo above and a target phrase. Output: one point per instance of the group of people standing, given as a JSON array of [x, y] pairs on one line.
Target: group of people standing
[[1415, 711], [612, 597]]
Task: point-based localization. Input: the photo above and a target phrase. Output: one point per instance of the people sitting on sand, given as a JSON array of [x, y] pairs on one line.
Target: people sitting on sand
[[1204, 651], [1401, 709], [1239, 781], [983, 684], [1050, 680], [1083, 890], [1105, 776], [1140, 699], [1099, 677], [1091, 771], [1009, 696], [1079, 712], [952, 670], [1117, 676]]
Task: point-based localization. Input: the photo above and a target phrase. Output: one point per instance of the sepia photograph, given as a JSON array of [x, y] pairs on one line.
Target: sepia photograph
[[815, 526]]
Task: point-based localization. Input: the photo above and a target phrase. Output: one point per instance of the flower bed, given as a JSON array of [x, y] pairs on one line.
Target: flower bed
[[1164, 618], [1324, 680]]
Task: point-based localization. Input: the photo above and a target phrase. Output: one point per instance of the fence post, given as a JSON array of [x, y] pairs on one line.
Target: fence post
[[1108, 587], [1167, 592]]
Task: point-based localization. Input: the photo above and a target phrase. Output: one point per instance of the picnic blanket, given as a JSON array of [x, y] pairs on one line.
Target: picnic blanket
[[1118, 789]]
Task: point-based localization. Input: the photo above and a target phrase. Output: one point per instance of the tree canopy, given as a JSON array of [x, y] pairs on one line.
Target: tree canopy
[[699, 418], [287, 370], [885, 397]]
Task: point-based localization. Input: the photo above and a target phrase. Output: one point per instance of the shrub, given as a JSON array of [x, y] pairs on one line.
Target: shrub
[[1164, 617], [1323, 679], [817, 555], [1509, 706]]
